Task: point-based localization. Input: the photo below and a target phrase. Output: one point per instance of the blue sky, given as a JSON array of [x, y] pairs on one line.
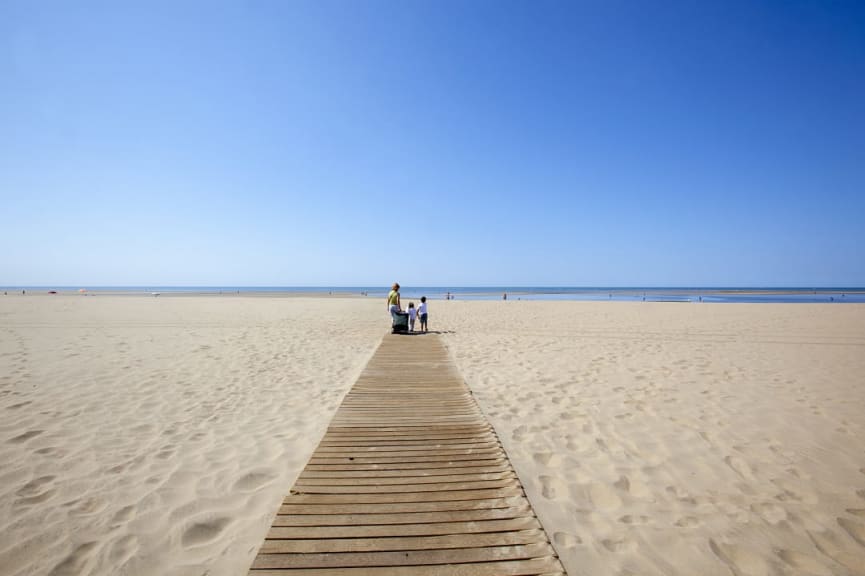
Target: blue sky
[[433, 143]]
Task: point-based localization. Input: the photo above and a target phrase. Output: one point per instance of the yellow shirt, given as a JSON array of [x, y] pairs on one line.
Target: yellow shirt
[[392, 298]]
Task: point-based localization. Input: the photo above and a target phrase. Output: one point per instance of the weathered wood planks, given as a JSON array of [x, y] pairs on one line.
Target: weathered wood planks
[[409, 479]]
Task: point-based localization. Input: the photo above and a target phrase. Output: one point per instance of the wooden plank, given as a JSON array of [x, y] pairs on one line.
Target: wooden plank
[[408, 437], [401, 480], [355, 453], [402, 488], [409, 558], [400, 466], [404, 518], [378, 531], [425, 434], [439, 427], [532, 567], [494, 456], [355, 448], [405, 497], [451, 541], [421, 473], [401, 507]]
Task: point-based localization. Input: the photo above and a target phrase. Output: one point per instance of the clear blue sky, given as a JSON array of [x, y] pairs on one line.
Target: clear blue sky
[[433, 143]]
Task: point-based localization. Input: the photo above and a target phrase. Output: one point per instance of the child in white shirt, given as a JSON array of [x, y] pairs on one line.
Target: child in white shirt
[[412, 314], [422, 313]]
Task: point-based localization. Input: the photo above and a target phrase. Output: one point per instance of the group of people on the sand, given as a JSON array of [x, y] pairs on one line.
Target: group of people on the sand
[[395, 308]]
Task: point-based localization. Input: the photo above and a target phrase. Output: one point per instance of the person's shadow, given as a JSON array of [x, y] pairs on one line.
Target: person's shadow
[[419, 333]]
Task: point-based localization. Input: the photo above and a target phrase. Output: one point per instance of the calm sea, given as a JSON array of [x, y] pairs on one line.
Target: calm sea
[[514, 293]]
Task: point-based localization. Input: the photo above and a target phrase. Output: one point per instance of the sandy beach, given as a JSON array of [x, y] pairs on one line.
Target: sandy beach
[[144, 435]]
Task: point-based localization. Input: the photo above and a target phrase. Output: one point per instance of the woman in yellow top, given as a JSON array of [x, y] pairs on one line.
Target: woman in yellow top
[[393, 304]]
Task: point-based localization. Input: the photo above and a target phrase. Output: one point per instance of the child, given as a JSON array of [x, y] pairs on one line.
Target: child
[[412, 314], [423, 313]]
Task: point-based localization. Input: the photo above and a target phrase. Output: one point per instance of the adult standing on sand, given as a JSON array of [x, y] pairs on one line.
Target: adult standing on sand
[[393, 304]]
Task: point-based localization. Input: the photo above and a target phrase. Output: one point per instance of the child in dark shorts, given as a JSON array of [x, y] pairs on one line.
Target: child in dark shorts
[[422, 314]]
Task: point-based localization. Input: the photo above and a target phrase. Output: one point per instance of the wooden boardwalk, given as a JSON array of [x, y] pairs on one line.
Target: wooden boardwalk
[[409, 479]]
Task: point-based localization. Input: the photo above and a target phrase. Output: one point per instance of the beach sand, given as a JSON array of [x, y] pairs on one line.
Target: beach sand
[[158, 435]]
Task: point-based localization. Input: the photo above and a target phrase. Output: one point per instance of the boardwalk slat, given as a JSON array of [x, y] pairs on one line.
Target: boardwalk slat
[[382, 480], [422, 473], [357, 448], [534, 566], [456, 465], [430, 529], [391, 458], [398, 488], [410, 558], [451, 541], [402, 507], [407, 497], [403, 518]]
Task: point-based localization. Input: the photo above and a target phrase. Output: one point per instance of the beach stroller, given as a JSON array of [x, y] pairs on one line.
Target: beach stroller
[[400, 323]]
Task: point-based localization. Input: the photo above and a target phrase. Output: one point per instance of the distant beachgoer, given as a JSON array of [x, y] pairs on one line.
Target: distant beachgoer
[[422, 314], [393, 304], [412, 315], [505, 296]]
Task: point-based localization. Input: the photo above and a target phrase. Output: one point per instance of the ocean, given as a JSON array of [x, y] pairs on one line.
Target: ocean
[[835, 295]]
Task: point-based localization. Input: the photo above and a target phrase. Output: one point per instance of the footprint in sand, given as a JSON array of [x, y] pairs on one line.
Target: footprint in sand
[[519, 433], [831, 545], [789, 492], [87, 507], [254, 480], [803, 564], [123, 549], [620, 545], [687, 522], [771, 513], [634, 520], [566, 540], [623, 484], [19, 405], [77, 562], [548, 459], [36, 491], [740, 559], [854, 528], [552, 487], [604, 497], [740, 467], [681, 495], [203, 532], [123, 515], [25, 437]]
